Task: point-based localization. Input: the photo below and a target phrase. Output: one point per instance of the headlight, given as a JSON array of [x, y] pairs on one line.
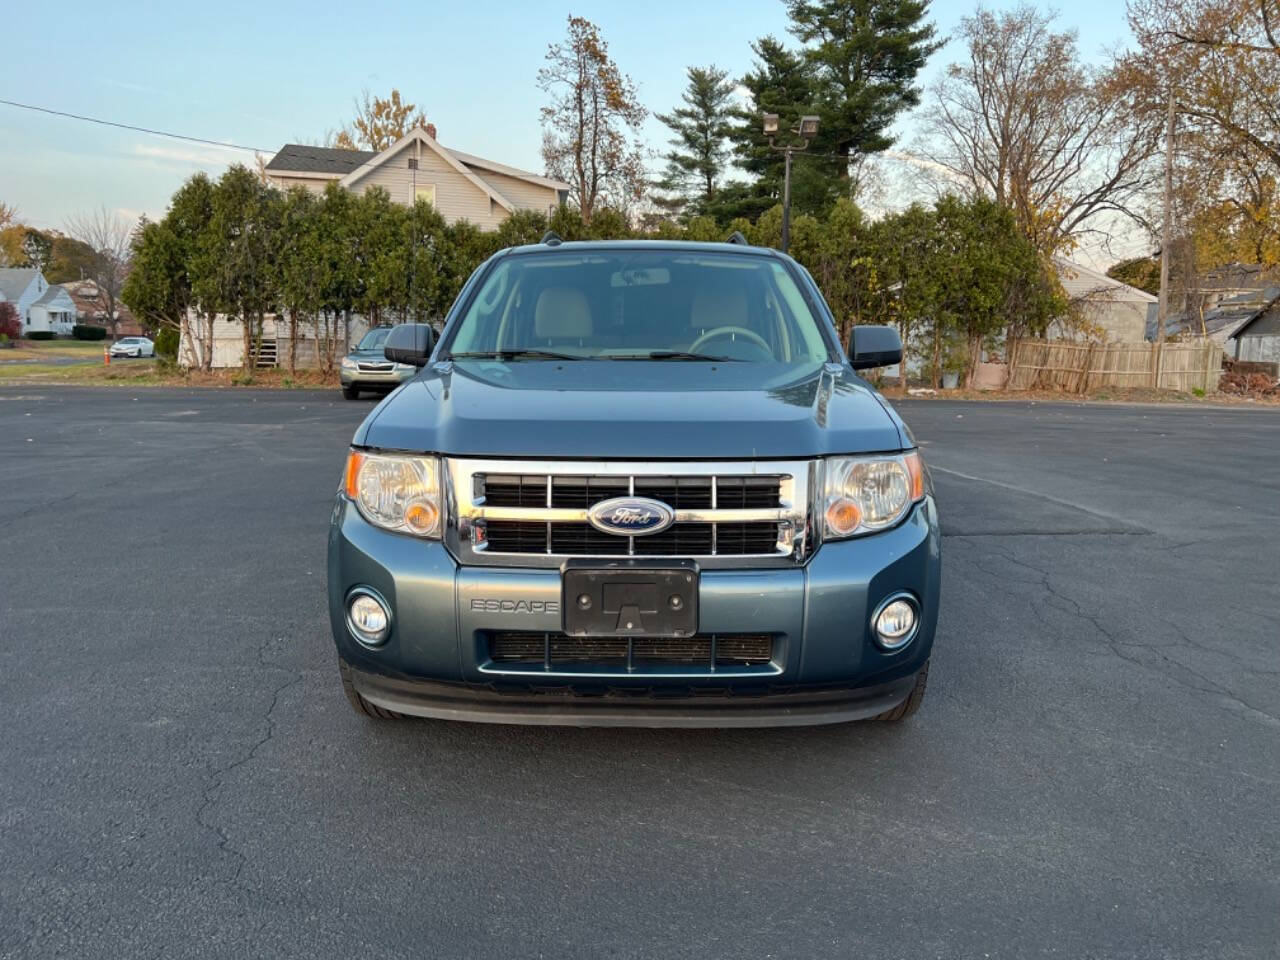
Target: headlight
[[866, 494], [399, 493], [348, 363]]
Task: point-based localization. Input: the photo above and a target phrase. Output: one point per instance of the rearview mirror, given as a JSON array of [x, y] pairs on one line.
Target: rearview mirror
[[874, 347], [410, 343]]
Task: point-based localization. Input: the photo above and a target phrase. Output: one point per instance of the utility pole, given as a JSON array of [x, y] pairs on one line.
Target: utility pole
[[806, 131], [1167, 231]]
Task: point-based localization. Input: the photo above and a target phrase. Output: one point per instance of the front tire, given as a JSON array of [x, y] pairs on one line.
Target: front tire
[[351, 393], [911, 704], [358, 703]]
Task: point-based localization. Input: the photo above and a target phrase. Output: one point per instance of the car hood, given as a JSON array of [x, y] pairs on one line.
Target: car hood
[[633, 410], [374, 353]]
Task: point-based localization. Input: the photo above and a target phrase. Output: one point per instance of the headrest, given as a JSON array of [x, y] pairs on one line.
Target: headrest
[[724, 307], [562, 312]]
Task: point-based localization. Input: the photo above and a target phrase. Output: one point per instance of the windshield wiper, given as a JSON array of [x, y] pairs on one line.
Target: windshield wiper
[[514, 355], [685, 355]]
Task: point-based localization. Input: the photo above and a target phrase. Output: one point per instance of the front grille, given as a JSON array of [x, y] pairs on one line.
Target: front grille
[[374, 366], [679, 493], [730, 513], [558, 648], [580, 538]]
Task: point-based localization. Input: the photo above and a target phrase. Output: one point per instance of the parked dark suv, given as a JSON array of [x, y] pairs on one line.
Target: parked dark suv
[[636, 483]]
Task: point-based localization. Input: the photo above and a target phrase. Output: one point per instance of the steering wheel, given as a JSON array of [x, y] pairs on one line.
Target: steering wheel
[[718, 332]]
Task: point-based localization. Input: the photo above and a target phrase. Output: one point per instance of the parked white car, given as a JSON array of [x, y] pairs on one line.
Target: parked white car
[[133, 347]]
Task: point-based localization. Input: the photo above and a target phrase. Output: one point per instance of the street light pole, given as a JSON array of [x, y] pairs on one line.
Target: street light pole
[[806, 131], [786, 201]]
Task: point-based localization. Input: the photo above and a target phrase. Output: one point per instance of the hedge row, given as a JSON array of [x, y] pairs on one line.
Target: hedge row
[[84, 331]]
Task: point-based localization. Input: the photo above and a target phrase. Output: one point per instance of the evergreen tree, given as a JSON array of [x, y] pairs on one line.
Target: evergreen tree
[[701, 128], [782, 82], [865, 56]]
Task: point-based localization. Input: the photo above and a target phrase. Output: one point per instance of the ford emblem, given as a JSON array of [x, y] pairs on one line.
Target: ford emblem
[[631, 516]]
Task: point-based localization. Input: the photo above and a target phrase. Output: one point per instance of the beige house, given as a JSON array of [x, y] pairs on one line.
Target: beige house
[[1110, 310], [459, 185]]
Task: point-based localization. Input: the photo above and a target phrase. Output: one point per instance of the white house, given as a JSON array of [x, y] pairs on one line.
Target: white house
[[1115, 310], [41, 305], [417, 167]]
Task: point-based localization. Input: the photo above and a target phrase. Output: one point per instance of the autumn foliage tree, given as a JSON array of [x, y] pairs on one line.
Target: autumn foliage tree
[[1219, 60], [379, 122], [1022, 120], [10, 322], [590, 128]]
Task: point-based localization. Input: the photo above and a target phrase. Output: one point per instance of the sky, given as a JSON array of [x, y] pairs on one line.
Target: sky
[[264, 74]]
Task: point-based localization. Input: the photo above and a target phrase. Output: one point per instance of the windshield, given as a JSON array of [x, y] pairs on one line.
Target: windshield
[[640, 305], [373, 339]]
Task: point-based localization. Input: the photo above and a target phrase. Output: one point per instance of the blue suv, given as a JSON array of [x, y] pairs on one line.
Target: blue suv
[[636, 483]]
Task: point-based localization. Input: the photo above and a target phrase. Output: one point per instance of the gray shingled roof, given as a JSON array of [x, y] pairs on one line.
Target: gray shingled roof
[[50, 293], [15, 280], [1234, 314], [305, 159]]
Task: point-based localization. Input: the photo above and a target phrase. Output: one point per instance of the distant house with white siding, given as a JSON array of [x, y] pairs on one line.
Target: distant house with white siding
[[1115, 311], [416, 167], [460, 186], [42, 306]]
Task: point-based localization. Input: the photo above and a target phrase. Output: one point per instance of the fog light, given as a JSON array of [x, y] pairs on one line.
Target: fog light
[[895, 623], [368, 618]]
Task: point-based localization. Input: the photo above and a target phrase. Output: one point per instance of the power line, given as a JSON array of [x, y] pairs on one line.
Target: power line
[[129, 126]]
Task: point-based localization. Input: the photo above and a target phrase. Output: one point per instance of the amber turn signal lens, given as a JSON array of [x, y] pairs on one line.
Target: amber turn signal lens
[[843, 517], [352, 476], [420, 517], [915, 468]]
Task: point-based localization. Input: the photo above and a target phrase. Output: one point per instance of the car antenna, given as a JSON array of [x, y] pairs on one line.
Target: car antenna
[[738, 238], [551, 239]]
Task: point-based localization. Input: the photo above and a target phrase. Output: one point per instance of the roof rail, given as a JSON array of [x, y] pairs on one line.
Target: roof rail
[[551, 239], [738, 238]]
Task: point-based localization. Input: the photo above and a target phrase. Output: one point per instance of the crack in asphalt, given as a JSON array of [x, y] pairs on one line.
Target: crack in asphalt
[[1113, 643], [219, 775]]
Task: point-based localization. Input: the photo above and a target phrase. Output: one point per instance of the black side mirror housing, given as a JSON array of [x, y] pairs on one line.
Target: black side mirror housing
[[875, 347], [410, 343]]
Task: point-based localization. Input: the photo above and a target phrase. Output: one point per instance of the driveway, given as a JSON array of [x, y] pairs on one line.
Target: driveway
[[1095, 771]]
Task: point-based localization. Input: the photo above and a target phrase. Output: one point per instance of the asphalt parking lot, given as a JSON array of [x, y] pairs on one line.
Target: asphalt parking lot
[[1095, 771]]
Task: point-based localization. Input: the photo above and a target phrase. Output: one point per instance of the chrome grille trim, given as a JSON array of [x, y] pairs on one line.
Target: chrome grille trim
[[467, 508]]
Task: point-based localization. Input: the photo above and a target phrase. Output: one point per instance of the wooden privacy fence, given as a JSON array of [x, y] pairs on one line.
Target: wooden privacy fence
[[1074, 367]]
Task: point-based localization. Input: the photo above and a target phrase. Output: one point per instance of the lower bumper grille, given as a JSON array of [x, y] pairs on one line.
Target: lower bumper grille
[[555, 648]]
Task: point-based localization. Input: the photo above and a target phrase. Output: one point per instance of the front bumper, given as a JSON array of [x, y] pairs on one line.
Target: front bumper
[[826, 666]]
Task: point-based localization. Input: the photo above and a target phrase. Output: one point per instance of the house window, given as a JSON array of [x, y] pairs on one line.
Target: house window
[[427, 193]]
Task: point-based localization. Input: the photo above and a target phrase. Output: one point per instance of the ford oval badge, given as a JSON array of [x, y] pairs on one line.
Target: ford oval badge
[[631, 516]]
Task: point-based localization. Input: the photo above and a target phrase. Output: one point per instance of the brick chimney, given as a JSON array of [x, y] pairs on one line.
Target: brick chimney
[[431, 130]]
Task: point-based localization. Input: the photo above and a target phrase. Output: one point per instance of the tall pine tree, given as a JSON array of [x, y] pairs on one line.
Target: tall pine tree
[[700, 155], [865, 55], [782, 82]]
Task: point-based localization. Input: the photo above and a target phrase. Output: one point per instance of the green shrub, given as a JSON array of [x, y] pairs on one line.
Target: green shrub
[[1198, 391], [85, 331], [167, 343], [40, 335]]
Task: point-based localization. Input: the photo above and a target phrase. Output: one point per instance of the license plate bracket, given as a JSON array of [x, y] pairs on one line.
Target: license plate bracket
[[630, 598]]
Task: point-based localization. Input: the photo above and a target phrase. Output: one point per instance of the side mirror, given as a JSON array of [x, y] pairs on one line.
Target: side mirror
[[875, 347], [410, 343]]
